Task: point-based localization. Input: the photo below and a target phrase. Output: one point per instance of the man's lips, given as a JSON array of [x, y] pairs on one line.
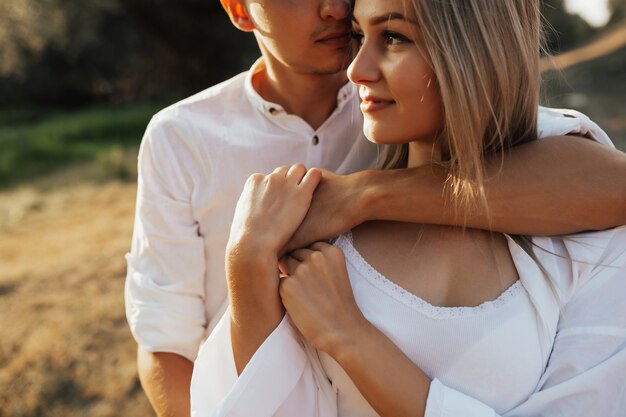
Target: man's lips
[[370, 104], [337, 38]]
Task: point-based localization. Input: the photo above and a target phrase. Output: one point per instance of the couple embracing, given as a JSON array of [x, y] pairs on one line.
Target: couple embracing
[[436, 294]]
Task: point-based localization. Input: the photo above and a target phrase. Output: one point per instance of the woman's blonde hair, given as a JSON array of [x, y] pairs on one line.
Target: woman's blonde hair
[[485, 57]]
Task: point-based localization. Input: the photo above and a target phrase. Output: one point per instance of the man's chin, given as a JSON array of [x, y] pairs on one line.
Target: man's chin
[[332, 69]]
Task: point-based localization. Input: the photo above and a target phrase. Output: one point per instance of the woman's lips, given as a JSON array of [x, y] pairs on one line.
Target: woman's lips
[[372, 104]]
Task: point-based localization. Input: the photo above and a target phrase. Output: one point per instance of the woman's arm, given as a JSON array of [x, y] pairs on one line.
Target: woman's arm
[[551, 186], [269, 210], [318, 296], [389, 380]]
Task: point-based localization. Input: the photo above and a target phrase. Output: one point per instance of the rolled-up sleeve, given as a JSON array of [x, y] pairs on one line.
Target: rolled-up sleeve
[[283, 379], [560, 122], [164, 290]]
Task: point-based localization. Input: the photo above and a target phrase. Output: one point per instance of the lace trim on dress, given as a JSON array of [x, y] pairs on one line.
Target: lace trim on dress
[[345, 243]]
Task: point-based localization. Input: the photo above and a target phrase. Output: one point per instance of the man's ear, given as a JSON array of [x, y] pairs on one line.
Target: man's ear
[[238, 14]]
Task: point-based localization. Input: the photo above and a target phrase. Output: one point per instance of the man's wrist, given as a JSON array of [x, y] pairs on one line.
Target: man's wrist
[[367, 203], [412, 195]]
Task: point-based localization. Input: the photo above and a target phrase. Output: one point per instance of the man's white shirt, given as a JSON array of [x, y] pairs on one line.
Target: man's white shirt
[[193, 163]]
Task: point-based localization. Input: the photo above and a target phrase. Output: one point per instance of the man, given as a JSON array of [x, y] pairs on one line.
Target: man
[[294, 106]]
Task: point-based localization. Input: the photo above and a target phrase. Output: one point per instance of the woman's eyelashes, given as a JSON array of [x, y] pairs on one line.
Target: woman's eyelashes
[[394, 38], [388, 38]]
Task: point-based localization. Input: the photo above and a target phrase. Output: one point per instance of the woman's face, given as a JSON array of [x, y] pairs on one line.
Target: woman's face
[[400, 98]]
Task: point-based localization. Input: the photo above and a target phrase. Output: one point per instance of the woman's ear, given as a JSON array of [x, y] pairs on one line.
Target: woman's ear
[[238, 14]]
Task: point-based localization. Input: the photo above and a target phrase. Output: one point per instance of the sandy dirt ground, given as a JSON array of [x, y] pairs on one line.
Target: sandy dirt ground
[[65, 348]]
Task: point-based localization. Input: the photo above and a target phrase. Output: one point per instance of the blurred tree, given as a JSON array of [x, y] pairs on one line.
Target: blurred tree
[[203, 47], [64, 52], [17, 18], [71, 52], [75, 52], [564, 31], [618, 11]]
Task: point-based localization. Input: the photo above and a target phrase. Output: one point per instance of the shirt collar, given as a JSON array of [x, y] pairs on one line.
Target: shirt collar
[[268, 108]]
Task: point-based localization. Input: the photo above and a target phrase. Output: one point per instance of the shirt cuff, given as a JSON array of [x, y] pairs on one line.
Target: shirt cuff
[[447, 402], [263, 386], [161, 320]]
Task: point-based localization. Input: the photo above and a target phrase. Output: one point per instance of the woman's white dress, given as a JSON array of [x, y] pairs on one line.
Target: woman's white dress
[[550, 345]]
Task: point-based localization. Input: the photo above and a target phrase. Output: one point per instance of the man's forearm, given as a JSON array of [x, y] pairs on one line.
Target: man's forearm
[[553, 186], [166, 378]]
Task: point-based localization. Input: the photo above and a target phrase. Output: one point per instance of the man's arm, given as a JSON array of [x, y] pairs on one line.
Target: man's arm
[[553, 186], [164, 292], [165, 378]]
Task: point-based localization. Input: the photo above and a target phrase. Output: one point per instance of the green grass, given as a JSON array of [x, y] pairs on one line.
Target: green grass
[[36, 142]]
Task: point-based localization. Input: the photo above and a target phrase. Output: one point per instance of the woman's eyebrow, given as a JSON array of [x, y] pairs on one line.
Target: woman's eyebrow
[[386, 18]]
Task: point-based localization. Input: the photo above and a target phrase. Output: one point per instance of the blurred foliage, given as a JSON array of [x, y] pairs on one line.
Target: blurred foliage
[[60, 55], [563, 31], [618, 11], [72, 52], [37, 142]]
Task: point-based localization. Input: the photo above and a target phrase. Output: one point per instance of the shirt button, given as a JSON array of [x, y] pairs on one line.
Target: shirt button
[[273, 110], [315, 140]]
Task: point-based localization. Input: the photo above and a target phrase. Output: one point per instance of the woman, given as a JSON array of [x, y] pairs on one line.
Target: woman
[[406, 319]]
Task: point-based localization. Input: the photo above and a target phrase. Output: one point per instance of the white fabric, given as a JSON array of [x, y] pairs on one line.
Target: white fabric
[[489, 360], [193, 163], [194, 160], [559, 122], [584, 350], [473, 349]]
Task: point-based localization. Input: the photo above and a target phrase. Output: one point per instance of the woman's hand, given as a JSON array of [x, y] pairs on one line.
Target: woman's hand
[[318, 297], [271, 207], [317, 294], [269, 210]]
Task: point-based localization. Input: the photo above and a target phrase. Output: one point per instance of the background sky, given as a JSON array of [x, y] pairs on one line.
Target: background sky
[[595, 12]]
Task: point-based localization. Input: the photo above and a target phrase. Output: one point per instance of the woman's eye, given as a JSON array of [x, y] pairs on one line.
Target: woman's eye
[[393, 38]]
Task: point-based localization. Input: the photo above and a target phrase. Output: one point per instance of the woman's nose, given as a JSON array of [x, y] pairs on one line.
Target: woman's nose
[[364, 68]]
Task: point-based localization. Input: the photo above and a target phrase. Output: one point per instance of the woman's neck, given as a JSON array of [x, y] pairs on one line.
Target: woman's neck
[[423, 153]]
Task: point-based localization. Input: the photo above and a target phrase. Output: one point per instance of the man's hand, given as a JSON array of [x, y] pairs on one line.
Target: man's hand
[[272, 206], [338, 205]]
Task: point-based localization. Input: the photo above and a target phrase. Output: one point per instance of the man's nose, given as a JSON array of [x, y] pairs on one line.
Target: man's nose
[[335, 9]]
